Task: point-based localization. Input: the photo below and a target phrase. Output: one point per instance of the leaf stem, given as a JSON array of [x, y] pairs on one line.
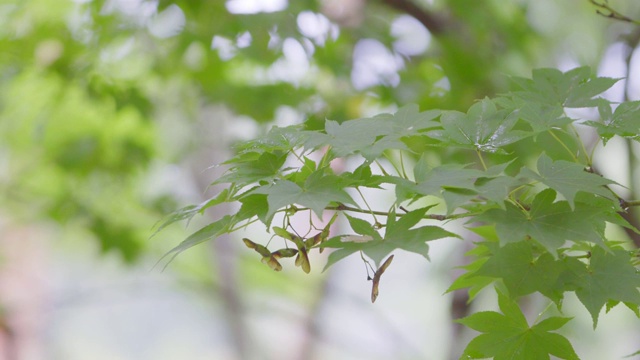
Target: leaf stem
[[543, 311], [520, 206], [325, 158], [384, 172], [402, 166], [573, 156], [395, 167], [367, 204], [584, 148], [484, 166]]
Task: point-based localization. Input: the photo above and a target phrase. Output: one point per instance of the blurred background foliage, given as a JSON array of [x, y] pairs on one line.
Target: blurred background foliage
[[110, 111]]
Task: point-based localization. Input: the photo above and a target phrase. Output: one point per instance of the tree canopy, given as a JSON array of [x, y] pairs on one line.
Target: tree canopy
[[480, 122]]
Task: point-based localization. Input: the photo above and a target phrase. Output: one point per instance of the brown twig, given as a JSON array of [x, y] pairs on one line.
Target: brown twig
[[342, 207], [436, 23], [604, 9]]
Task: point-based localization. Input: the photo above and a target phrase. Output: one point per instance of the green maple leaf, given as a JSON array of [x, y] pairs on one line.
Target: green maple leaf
[[625, 121], [250, 167], [522, 272], [362, 176], [188, 212], [609, 276], [491, 185], [541, 116], [254, 205], [407, 121], [548, 222], [317, 192], [568, 178], [208, 232], [574, 88], [495, 189], [508, 336], [399, 234], [346, 138], [432, 181], [277, 139], [470, 279], [370, 137], [483, 127]]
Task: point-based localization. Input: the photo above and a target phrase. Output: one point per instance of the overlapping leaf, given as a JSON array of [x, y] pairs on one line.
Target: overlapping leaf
[[609, 276], [316, 193], [548, 222], [573, 89], [408, 121], [541, 116], [399, 234], [370, 137], [508, 335], [251, 167], [208, 232], [483, 127], [277, 139], [568, 178], [522, 271], [624, 121], [188, 212], [431, 181]]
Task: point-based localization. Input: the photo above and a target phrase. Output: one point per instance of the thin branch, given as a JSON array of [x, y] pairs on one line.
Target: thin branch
[[632, 203], [604, 9], [342, 207]]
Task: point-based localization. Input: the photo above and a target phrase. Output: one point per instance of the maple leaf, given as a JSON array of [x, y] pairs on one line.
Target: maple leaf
[[625, 121], [370, 137], [253, 166], [316, 193], [407, 121], [549, 223], [508, 335], [541, 116], [608, 276], [574, 88], [277, 139], [568, 178], [432, 181], [399, 234], [483, 127], [521, 271], [208, 232], [188, 212]]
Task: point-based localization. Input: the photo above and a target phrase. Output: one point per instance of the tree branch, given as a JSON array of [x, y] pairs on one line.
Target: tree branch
[[435, 23]]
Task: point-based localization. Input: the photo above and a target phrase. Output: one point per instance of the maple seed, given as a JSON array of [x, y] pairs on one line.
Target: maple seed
[[282, 253], [260, 249], [303, 260], [376, 278], [267, 257]]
